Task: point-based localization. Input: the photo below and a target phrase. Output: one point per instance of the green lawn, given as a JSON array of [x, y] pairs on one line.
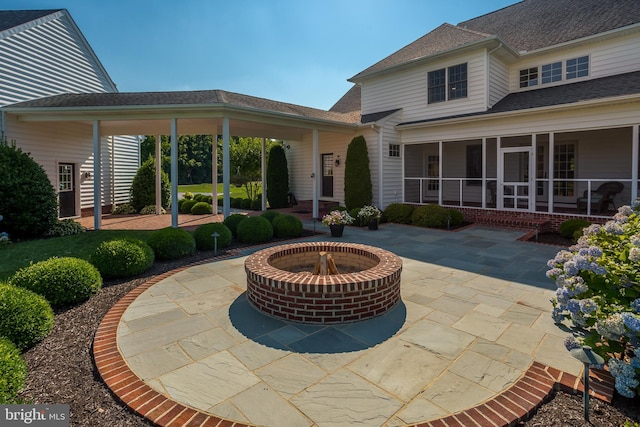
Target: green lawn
[[207, 189], [17, 255]]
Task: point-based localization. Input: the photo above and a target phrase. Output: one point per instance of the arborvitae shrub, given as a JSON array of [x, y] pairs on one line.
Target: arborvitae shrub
[[232, 222], [28, 201], [357, 175], [398, 213], [204, 238], [277, 178], [571, 227], [201, 208], [122, 258], [60, 280], [433, 216], [285, 226], [270, 215], [13, 371], [172, 243], [26, 318], [255, 229], [185, 207], [143, 188]]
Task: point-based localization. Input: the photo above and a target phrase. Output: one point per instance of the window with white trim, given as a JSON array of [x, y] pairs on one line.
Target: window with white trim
[[529, 77], [577, 67], [551, 72], [447, 83], [394, 150], [564, 158]]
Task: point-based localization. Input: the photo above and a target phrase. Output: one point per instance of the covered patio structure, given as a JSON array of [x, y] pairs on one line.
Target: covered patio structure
[[213, 112]]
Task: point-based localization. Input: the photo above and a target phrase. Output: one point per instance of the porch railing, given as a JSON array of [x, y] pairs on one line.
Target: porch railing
[[483, 193]]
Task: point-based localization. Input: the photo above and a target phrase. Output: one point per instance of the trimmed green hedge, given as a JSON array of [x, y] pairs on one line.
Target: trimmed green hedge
[[204, 240], [201, 208], [398, 213], [172, 243], [26, 318], [60, 280], [232, 222], [122, 258], [13, 371], [287, 226], [270, 215], [255, 229]]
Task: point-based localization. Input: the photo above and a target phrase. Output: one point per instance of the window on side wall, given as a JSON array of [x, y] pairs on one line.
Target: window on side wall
[[529, 77], [447, 83], [458, 81], [577, 67], [394, 150], [437, 85]]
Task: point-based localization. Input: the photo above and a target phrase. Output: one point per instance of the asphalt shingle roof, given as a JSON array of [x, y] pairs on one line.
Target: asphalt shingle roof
[[12, 18], [605, 87]]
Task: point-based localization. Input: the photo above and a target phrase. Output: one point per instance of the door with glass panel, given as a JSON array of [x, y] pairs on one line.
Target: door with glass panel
[[327, 175], [66, 189], [516, 186]]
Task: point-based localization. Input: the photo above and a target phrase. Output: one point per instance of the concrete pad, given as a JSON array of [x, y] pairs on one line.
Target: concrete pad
[[481, 325], [255, 356], [419, 411], [521, 338], [206, 343], [484, 371], [145, 306]]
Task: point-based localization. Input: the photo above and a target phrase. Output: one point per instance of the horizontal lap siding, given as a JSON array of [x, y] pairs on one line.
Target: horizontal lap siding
[[498, 80], [126, 163]]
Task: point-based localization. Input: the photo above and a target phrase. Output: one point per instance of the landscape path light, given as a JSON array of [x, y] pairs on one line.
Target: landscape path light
[[586, 355], [215, 236]]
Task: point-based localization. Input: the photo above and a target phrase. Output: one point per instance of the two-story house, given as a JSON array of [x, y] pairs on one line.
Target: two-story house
[[43, 53], [529, 111]]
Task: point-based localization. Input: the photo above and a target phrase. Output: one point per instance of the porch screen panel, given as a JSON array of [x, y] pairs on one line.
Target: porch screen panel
[[564, 170]]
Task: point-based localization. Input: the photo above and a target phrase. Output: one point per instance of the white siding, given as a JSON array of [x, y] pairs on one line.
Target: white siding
[[498, 80], [408, 90], [392, 166]]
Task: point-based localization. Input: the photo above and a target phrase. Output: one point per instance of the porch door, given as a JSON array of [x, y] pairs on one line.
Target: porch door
[[327, 175], [516, 183], [67, 189]]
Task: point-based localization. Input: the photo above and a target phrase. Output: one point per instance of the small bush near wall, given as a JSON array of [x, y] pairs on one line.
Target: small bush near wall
[[232, 222], [122, 258], [572, 227], [204, 238], [60, 280], [287, 226], [398, 213], [434, 216], [26, 318], [255, 229], [172, 243], [13, 371]]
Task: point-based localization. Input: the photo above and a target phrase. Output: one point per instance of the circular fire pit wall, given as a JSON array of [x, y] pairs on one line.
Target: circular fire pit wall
[[368, 284]]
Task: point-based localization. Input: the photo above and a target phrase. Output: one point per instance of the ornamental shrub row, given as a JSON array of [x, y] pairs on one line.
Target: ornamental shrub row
[[432, 216]]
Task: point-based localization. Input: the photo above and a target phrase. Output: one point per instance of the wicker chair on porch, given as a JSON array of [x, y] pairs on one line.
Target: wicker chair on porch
[[601, 198]]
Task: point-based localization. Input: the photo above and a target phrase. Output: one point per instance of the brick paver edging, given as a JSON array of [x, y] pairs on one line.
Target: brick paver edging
[[505, 409]]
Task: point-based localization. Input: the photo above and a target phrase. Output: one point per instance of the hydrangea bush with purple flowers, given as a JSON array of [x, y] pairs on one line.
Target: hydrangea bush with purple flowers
[[598, 293]]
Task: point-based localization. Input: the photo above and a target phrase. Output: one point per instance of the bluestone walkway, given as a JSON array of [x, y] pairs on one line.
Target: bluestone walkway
[[475, 315]]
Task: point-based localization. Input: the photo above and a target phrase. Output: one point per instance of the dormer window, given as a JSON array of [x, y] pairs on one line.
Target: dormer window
[[529, 77], [552, 72], [447, 83], [577, 67]]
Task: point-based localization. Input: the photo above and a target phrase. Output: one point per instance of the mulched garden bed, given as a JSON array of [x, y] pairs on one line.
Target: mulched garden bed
[[61, 369]]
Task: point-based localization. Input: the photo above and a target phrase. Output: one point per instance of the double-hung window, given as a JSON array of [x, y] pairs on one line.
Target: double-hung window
[[447, 83]]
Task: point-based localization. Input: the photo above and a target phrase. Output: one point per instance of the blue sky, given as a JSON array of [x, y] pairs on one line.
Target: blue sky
[[297, 51]]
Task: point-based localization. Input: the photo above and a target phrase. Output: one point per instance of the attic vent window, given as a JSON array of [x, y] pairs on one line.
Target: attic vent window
[[447, 83]]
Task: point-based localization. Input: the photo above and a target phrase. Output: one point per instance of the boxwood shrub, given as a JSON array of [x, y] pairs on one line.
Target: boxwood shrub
[[572, 228], [122, 258], [287, 226], [433, 216], [26, 318], [270, 215], [185, 207], [398, 213], [13, 371], [172, 243], [232, 222], [60, 280], [201, 208], [255, 229], [204, 240]]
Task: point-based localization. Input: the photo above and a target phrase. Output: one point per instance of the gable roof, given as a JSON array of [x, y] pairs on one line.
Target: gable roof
[[349, 102], [605, 87], [535, 24], [13, 18]]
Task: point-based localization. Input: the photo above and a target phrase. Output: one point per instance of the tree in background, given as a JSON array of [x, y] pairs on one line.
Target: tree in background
[[357, 175], [143, 188], [277, 178], [194, 156]]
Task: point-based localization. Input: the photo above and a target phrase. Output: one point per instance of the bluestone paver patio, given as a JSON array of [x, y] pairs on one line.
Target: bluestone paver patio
[[474, 316]]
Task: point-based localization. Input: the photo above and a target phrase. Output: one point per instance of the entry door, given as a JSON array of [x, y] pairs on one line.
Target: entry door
[[67, 189], [327, 175], [517, 179]]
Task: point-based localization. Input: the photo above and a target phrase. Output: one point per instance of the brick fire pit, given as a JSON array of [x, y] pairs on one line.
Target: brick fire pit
[[369, 287]]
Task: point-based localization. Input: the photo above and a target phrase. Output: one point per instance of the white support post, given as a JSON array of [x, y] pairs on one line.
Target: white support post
[[97, 176], [174, 173], [551, 171], [214, 173], [158, 175], [263, 165], [635, 152], [499, 174], [314, 175], [440, 151], [484, 173], [380, 169], [402, 151], [532, 173], [226, 164]]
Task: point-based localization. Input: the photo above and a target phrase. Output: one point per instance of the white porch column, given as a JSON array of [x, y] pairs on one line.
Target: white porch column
[[214, 173], [174, 173], [532, 174], [551, 171], [97, 176], [499, 175], [314, 175], [158, 175], [263, 165], [635, 148], [440, 151], [484, 173], [226, 164], [380, 169]]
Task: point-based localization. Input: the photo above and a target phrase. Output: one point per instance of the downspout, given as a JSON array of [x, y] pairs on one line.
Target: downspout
[[377, 129]]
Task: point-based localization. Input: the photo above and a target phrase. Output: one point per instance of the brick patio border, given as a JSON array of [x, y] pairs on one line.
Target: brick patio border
[[505, 409]]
